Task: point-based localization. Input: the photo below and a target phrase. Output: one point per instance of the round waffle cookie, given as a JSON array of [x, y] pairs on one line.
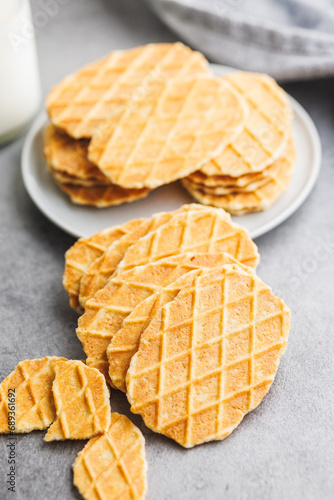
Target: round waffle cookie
[[81, 398], [85, 251], [208, 357], [125, 342], [98, 274], [102, 196], [239, 203], [30, 388], [209, 230], [105, 312], [180, 125], [67, 158], [113, 465], [266, 129], [83, 101]]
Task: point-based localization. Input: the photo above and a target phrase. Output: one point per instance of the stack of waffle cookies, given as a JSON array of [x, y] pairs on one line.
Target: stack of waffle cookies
[[173, 314], [148, 116]]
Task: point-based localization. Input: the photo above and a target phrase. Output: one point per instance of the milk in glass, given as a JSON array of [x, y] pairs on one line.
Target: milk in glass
[[19, 78]]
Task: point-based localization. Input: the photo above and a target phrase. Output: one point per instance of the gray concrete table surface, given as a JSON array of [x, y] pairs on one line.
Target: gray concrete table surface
[[282, 450]]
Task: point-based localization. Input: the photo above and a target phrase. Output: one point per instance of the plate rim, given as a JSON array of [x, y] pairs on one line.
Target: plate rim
[[309, 126], [26, 171], [312, 178], [316, 165]]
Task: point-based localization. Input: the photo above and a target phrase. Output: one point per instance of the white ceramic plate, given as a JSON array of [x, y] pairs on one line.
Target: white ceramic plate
[[84, 221]]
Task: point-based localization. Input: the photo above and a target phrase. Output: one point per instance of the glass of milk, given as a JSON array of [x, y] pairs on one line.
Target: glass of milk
[[20, 93]]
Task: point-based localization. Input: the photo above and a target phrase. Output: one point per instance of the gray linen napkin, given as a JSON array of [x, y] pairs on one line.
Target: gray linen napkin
[[289, 39]]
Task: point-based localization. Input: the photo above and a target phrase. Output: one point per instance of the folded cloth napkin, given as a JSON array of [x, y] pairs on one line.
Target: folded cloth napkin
[[289, 39]]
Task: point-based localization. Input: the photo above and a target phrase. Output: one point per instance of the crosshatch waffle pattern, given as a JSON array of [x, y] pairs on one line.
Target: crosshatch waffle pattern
[[80, 103], [82, 404], [181, 125], [80, 256], [102, 196], [113, 465], [66, 155], [98, 274], [266, 129], [106, 311], [208, 357], [211, 230], [125, 342], [102, 269], [261, 198], [34, 406]]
